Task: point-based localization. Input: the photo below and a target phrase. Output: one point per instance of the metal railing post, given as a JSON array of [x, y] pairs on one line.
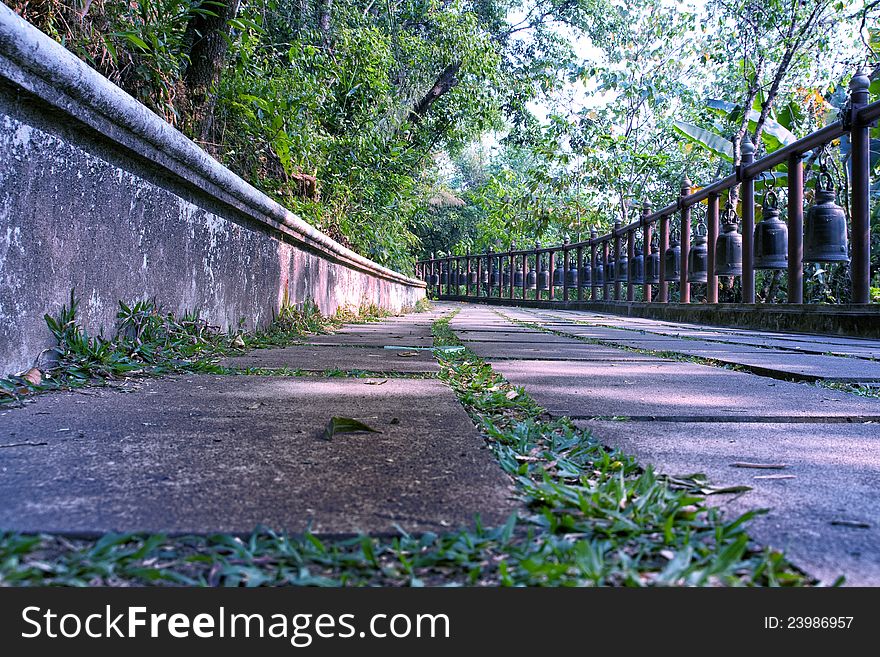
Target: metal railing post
[[565, 243], [647, 236], [795, 229], [748, 222], [685, 287], [860, 267], [606, 287], [663, 246], [712, 236], [630, 258], [593, 286], [617, 285]]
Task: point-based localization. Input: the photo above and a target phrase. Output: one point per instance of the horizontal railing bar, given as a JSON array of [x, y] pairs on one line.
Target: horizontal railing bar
[[865, 115]]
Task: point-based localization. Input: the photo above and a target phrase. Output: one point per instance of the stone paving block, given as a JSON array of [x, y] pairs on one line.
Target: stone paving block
[[558, 351], [520, 338], [225, 454], [836, 470], [371, 340], [323, 358], [669, 389]]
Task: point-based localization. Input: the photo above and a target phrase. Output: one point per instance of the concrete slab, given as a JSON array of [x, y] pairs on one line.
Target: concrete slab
[[492, 351], [674, 390], [226, 454], [524, 338], [806, 367], [371, 340], [836, 470], [323, 358]]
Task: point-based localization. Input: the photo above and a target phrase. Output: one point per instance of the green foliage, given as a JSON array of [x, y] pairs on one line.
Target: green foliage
[[149, 341]]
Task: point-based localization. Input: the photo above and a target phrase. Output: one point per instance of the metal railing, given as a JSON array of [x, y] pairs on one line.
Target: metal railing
[[601, 267]]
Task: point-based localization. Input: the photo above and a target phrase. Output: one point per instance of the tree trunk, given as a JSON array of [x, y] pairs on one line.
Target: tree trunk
[[445, 81], [206, 41]]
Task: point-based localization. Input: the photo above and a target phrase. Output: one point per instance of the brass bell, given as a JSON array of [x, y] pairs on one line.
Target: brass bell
[[544, 276], [825, 238], [495, 277], [585, 277], [637, 267], [444, 275], [505, 276], [571, 276], [518, 277], [698, 257], [652, 266], [558, 273], [611, 270], [433, 279], [473, 277], [771, 236], [672, 260], [729, 246], [621, 269], [598, 278], [532, 279]]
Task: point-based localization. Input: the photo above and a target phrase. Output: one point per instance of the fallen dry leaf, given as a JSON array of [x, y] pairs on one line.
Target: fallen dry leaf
[[376, 383], [346, 425], [407, 354], [33, 376], [513, 394], [851, 523]]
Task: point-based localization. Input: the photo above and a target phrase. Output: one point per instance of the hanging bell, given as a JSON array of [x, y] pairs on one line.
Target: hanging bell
[[486, 275], [611, 270], [472, 277], [518, 277], [598, 275], [444, 275], [621, 270], [495, 278], [544, 277], [825, 238], [672, 261], [558, 274], [585, 276], [505, 277], [652, 267], [729, 246], [571, 276], [637, 268], [698, 257], [532, 279], [433, 279], [771, 236]]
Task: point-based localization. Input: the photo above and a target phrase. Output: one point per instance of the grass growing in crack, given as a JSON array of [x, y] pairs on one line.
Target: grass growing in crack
[[149, 341], [600, 518], [861, 389]]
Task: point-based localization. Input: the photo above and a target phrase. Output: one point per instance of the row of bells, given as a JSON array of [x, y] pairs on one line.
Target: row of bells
[[825, 240]]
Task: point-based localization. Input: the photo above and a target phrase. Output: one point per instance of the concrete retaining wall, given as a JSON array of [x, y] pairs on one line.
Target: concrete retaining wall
[[99, 195]]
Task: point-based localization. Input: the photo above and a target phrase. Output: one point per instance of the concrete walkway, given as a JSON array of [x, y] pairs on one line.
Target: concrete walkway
[[687, 417], [209, 454], [199, 453]]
